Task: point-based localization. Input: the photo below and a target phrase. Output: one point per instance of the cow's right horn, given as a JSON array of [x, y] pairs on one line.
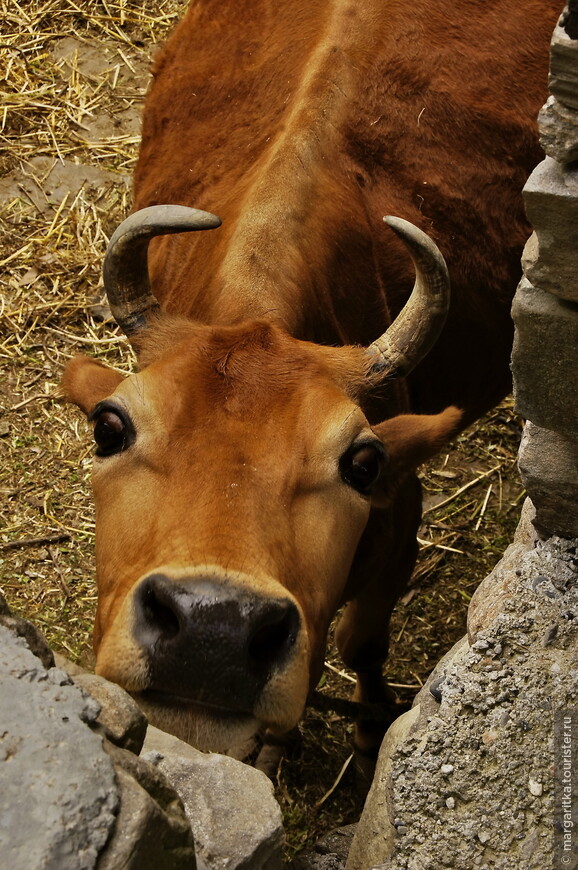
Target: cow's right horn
[[418, 325], [125, 270]]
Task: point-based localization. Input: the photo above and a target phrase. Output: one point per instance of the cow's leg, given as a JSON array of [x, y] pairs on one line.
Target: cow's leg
[[274, 749], [362, 635]]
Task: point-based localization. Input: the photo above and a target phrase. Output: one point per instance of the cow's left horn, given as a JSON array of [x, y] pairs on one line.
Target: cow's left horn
[[125, 270], [418, 325]]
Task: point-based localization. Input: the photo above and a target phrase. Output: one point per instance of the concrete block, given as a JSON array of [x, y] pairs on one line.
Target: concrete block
[[548, 465], [551, 200], [544, 359]]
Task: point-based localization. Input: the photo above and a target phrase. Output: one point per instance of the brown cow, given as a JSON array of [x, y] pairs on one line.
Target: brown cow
[[259, 471]]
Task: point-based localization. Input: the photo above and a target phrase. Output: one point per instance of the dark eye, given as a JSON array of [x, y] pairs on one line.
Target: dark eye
[[362, 465], [112, 434]]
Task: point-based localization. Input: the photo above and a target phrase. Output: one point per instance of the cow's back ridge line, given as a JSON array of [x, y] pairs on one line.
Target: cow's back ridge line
[[299, 145]]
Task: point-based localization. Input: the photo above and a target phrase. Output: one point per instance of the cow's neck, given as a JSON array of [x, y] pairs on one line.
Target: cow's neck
[[276, 259]]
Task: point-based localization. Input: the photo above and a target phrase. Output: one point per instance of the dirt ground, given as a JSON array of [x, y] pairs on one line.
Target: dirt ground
[[73, 80]]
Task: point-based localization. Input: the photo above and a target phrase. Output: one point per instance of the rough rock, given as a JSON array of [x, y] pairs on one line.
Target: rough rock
[[22, 628], [499, 586], [551, 201], [58, 796], [376, 832], [329, 853], [564, 64], [548, 464], [544, 360], [472, 783], [235, 818], [67, 800], [122, 721], [152, 830], [559, 131]]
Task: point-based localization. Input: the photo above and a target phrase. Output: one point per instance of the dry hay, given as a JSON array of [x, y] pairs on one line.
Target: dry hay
[[73, 81]]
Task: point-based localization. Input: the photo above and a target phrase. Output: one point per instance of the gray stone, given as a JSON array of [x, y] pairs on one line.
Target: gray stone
[[548, 464], [551, 201], [58, 796], [376, 832], [152, 830], [496, 806], [559, 131], [329, 853], [67, 800], [167, 744], [24, 629], [564, 67], [544, 359], [120, 718], [499, 587], [235, 818]]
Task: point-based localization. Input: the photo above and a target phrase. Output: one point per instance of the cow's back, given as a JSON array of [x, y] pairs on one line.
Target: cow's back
[[302, 124]]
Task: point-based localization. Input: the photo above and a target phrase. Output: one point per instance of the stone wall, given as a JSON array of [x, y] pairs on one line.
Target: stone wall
[[75, 794], [466, 779], [470, 777], [545, 308]]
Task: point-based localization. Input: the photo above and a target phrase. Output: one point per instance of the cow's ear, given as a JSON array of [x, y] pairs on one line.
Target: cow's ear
[[86, 382], [411, 439]]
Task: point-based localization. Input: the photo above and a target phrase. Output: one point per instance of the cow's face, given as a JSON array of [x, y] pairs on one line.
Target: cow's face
[[233, 478]]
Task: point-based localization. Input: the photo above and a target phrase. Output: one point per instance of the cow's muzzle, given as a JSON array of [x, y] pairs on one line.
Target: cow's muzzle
[[210, 643]]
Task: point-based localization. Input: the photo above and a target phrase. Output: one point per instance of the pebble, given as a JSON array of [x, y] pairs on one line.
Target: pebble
[[450, 803], [446, 769], [436, 688], [535, 787], [480, 645], [483, 836]]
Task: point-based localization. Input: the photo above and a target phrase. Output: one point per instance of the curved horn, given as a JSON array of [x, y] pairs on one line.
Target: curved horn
[[419, 323], [125, 270]]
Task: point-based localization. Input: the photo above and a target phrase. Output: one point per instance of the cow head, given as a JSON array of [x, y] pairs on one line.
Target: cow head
[[234, 475]]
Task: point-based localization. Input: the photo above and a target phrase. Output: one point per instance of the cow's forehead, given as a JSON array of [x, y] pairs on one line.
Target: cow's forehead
[[250, 368], [255, 375]]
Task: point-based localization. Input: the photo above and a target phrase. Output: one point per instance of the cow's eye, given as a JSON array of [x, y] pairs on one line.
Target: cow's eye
[[362, 465], [112, 433]]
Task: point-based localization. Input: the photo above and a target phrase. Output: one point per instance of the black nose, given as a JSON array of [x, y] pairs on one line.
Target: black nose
[[208, 641]]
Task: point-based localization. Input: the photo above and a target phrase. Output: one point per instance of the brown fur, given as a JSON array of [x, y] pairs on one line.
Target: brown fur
[[301, 125], [309, 122]]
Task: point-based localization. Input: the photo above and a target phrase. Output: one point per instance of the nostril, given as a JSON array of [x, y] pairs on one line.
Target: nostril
[[272, 641], [159, 615]]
